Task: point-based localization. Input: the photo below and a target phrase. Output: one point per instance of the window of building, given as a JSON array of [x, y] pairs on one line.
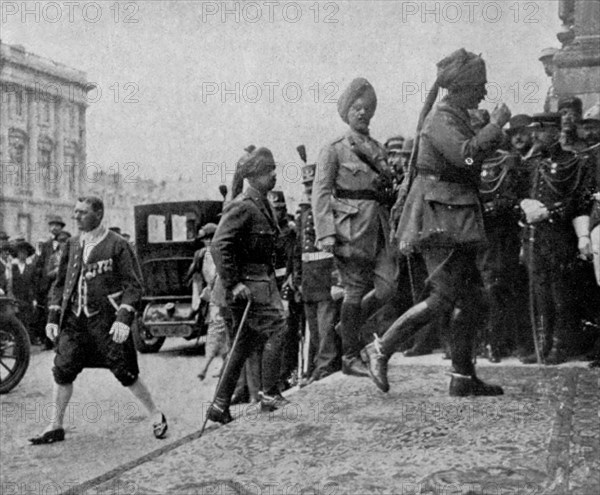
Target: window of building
[[17, 154], [49, 172], [18, 103], [70, 166]]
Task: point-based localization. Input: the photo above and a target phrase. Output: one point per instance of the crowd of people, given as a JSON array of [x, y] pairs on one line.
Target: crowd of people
[[478, 237], [481, 236]]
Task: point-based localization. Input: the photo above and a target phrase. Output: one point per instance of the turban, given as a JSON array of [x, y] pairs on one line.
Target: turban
[[461, 68], [358, 88], [257, 162]]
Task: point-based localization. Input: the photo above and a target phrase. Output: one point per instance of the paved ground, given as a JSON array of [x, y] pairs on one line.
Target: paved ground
[[339, 436]]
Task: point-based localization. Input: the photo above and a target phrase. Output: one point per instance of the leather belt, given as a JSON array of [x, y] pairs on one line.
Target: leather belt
[[359, 194]]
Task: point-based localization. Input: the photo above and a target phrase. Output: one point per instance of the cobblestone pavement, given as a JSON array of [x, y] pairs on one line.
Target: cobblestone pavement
[[342, 436]]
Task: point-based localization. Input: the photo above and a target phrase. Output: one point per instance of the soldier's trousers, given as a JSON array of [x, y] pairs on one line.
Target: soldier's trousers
[[321, 317], [455, 288], [263, 330]]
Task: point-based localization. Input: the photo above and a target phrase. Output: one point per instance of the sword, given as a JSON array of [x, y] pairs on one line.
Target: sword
[[532, 302]]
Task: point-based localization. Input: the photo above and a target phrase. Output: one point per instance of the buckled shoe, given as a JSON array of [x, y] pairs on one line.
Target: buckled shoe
[[219, 414]]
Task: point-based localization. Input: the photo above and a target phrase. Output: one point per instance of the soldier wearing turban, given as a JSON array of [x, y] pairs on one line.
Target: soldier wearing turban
[[442, 219], [243, 250], [351, 216]]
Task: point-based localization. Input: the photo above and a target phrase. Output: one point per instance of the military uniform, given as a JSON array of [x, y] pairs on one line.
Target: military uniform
[[91, 291], [443, 219], [503, 182], [314, 276], [243, 250], [559, 180], [347, 203]]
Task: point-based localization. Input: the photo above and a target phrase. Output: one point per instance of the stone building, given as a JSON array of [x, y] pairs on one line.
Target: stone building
[[42, 141]]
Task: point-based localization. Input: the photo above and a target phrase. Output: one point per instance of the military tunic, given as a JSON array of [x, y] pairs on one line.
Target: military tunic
[[347, 204]]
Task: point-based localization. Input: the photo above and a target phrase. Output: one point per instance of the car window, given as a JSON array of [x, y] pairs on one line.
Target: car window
[[157, 228], [180, 228]]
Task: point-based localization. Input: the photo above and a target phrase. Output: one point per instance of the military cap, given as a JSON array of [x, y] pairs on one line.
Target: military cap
[[548, 53], [358, 88], [518, 122], [408, 146], [56, 219], [308, 173], [592, 116], [207, 230], [461, 68], [394, 143], [570, 102], [551, 119], [276, 198]]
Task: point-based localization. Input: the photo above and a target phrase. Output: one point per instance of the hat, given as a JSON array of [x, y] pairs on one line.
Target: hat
[[63, 233], [518, 122], [548, 53], [256, 162], [408, 146], [570, 102], [308, 173], [56, 219], [22, 244], [592, 116], [551, 119], [116, 230], [4, 236], [276, 198], [358, 88], [207, 230], [461, 68], [395, 143]]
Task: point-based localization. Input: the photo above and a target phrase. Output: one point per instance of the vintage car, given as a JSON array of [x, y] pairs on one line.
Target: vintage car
[[165, 242]]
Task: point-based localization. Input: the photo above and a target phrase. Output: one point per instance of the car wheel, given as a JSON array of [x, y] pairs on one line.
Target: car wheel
[[144, 341]]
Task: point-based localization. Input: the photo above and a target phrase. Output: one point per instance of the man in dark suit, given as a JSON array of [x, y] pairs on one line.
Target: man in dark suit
[[92, 305]]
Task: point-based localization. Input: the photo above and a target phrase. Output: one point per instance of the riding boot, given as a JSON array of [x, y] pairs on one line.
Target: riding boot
[[376, 364], [405, 327]]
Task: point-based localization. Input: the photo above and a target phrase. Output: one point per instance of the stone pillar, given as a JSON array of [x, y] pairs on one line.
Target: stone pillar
[[578, 63], [31, 175]]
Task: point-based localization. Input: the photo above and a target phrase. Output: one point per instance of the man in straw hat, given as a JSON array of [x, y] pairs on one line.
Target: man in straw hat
[[351, 217], [442, 219]]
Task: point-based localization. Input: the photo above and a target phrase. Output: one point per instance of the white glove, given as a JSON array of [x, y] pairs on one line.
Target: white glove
[[534, 210], [119, 331], [51, 331]]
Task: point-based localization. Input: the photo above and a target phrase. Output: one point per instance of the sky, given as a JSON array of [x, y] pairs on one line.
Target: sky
[[184, 86]]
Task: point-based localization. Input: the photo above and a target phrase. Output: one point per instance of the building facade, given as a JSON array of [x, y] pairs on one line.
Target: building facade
[[42, 141]]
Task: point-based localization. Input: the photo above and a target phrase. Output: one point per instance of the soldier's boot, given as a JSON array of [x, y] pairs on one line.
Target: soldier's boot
[[219, 413], [376, 363], [350, 324], [470, 385]]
